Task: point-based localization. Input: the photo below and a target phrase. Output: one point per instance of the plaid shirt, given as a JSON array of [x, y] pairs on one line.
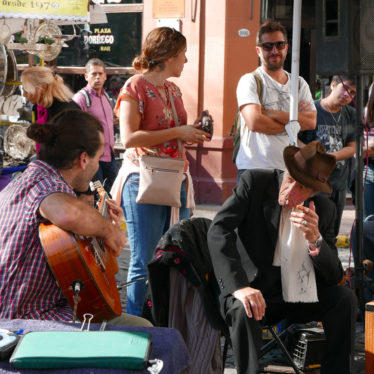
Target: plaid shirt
[[27, 287]]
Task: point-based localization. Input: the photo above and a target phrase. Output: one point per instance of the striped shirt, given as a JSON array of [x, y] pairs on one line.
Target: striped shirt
[[27, 287]]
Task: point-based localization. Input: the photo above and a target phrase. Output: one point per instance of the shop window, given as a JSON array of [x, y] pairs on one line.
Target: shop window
[[116, 42], [331, 11]]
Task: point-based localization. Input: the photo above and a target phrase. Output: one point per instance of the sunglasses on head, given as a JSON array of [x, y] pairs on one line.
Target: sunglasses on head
[[268, 46]]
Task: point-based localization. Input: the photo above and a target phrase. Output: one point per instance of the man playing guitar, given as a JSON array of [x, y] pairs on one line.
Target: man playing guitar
[[71, 147]]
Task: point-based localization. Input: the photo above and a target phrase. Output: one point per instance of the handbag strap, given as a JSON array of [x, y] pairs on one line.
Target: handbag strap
[[176, 120]]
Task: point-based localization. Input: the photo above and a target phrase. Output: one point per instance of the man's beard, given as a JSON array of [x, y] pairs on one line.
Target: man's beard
[[274, 66]]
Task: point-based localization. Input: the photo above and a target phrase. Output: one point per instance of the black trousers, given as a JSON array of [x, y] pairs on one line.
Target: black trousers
[[107, 173], [336, 309]]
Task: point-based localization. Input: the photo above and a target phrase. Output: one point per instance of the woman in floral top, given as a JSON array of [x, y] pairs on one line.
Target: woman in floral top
[[147, 126]]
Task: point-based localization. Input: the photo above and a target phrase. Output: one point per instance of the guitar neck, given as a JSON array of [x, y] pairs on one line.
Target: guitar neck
[[101, 204]]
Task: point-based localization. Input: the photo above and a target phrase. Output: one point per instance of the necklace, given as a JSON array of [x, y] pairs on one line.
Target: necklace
[[162, 91], [332, 115]]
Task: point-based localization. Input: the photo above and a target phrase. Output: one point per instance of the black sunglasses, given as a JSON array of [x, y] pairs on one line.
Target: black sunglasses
[[268, 46]]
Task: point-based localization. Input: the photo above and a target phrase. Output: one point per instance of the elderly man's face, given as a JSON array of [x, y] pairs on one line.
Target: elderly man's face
[[293, 192]]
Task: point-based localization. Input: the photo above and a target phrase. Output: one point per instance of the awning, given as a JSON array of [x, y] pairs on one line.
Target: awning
[[57, 10]]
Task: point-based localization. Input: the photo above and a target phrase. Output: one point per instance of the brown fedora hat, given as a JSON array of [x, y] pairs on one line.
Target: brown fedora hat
[[311, 165]]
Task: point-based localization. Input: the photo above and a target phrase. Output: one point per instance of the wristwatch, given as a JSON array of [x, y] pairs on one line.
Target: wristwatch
[[317, 243]]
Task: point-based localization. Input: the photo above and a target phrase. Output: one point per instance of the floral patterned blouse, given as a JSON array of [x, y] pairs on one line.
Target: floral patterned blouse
[[156, 114]]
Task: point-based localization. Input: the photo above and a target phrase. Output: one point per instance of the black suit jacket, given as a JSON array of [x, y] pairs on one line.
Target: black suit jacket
[[254, 211]]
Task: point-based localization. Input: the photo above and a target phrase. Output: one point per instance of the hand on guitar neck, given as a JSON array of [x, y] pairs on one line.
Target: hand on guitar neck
[[115, 213], [108, 208], [115, 240]]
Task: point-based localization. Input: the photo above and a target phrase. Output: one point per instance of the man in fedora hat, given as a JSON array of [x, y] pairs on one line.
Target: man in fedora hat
[[288, 234]]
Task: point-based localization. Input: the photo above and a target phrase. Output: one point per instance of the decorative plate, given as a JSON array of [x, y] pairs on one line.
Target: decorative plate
[[17, 144]]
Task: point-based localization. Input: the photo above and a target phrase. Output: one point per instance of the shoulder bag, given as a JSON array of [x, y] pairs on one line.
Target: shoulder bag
[[161, 177]]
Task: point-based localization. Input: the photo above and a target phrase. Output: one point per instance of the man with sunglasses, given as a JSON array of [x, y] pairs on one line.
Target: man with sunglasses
[[335, 130], [263, 119]]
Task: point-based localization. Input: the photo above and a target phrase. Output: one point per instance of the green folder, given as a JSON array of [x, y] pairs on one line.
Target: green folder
[[77, 349]]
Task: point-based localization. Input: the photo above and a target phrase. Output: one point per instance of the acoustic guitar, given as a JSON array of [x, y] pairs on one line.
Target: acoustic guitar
[[83, 268]]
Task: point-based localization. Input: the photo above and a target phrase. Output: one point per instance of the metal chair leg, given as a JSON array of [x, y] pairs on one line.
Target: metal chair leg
[[270, 345], [284, 349]]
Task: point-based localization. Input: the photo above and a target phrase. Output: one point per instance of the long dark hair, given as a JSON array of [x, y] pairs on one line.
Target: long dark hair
[[71, 132]]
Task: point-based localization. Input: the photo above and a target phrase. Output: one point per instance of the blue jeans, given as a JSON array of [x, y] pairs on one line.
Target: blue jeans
[[146, 223]]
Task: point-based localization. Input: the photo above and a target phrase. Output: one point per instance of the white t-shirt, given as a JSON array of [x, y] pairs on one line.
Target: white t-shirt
[[258, 150]]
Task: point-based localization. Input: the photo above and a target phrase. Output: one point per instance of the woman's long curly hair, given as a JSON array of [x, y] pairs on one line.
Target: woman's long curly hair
[[159, 45]]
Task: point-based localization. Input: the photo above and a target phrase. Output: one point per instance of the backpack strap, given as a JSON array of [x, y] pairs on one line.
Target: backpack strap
[[259, 85], [86, 97], [111, 101]]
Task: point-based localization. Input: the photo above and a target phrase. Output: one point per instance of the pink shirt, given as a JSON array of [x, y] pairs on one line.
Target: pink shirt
[[156, 114], [102, 110], [42, 117]]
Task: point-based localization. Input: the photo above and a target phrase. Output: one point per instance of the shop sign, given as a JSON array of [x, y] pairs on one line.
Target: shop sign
[[69, 10], [168, 9], [102, 37]]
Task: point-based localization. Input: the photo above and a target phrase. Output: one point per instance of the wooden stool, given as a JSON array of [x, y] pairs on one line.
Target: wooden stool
[[369, 337]]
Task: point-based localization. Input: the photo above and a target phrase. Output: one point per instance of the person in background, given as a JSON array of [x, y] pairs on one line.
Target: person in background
[[47, 92], [263, 119], [93, 99], [318, 91], [69, 155], [335, 130], [147, 126], [115, 86]]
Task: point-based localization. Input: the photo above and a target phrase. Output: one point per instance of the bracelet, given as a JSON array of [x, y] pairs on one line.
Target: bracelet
[[317, 243]]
